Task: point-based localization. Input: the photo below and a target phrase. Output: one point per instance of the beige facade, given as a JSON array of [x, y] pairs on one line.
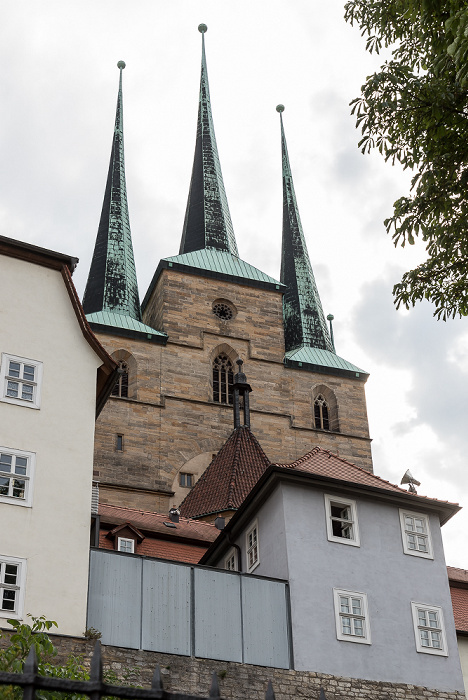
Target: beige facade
[[170, 423], [46, 447]]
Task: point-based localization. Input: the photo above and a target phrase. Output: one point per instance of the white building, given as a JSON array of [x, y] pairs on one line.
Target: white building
[[54, 378]]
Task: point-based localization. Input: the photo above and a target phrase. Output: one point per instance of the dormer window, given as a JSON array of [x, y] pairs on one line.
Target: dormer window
[[125, 544]]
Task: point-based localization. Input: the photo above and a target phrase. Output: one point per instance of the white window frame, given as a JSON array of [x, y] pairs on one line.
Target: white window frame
[[418, 628], [230, 560], [365, 638], [17, 613], [354, 541], [28, 478], [5, 378], [406, 533], [250, 548], [120, 540]]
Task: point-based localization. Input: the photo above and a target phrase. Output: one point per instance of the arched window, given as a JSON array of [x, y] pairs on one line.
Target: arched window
[[121, 385], [222, 379], [321, 413]]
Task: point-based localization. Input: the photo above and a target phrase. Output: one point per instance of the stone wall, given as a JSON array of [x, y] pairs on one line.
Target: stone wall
[[170, 417], [238, 681]]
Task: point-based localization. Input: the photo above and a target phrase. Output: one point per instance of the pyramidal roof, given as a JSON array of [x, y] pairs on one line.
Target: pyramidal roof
[[230, 477], [304, 321], [111, 299], [207, 219]]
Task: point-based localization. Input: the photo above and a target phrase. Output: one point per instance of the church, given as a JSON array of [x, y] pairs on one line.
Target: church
[[205, 309]]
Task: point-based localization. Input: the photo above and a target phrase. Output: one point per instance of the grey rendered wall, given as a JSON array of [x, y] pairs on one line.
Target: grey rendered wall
[[391, 580]]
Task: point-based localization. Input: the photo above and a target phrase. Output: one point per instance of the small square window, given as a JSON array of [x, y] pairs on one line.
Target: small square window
[[252, 548], [342, 522], [416, 535], [186, 480], [16, 476], [125, 544], [20, 381], [429, 629], [351, 616], [12, 577]]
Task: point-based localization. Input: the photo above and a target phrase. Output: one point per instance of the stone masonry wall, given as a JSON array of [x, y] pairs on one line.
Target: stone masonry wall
[[170, 417], [238, 681]]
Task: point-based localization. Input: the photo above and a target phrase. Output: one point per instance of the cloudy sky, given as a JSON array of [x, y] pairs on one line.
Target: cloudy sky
[[58, 88]]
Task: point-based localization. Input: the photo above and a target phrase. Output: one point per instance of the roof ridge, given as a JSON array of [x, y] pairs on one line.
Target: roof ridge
[[153, 513]]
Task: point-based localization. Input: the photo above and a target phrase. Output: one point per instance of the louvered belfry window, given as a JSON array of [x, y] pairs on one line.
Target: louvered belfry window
[[321, 413], [121, 385], [222, 379]]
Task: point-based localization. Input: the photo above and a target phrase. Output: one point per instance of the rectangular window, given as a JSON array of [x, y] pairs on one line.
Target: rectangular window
[[351, 616], [416, 534], [429, 629], [186, 480], [119, 443], [125, 545], [12, 576], [20, 381], [230, 561], [252, 548], [342, 522], [16, 472]]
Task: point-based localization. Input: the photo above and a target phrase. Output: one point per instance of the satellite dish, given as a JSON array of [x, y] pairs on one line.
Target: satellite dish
[[408, 478]]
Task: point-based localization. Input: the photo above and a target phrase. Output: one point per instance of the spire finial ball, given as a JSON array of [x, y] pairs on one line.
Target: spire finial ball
[[202, 28], [280, 108], [330, 317], [121, 64]]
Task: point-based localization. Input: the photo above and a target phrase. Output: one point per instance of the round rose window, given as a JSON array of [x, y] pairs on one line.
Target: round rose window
[[223, 310]]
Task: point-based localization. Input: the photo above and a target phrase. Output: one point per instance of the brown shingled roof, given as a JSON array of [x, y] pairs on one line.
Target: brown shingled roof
[[460, 575], [460, 608], [325, 463], [154, 522], [230, 477]]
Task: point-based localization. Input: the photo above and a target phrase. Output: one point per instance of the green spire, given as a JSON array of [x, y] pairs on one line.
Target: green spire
[[207, 220], [304, 321], [112, 283]]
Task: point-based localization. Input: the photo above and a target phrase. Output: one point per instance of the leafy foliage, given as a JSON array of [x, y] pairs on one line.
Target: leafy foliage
[[25, 636], [415, 111]]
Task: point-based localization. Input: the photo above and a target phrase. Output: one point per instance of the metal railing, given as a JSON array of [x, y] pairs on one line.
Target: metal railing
[[96, 688]]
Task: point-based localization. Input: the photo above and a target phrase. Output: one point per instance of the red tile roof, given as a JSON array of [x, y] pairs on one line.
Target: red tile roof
[[325, 463], [163, 549], [230, 477], [460, 608], [154, 522], [455, 574]]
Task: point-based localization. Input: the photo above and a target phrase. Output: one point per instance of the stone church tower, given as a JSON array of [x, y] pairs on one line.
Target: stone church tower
[[171, 410]]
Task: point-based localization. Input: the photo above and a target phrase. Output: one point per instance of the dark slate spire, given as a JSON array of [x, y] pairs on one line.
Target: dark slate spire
[[304, 322], [207, 220], [112, 284]]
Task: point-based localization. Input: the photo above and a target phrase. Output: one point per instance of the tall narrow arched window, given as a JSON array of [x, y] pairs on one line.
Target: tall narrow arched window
[[121, 385], [222, 379], [321, 413]]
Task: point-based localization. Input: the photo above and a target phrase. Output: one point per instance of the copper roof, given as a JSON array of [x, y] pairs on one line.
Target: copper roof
[[154, 522], [325, 463], [230, 477]]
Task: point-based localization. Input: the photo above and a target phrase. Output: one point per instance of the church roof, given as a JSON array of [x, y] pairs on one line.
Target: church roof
[[304, 321], [109, 322], [230, 477], [207, 219], [318, 360], [112, 283]]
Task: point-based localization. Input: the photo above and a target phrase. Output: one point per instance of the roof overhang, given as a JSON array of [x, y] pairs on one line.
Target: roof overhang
[[276, 475]]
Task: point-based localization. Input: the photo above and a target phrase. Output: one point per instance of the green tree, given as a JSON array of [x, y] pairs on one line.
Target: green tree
[[415, 111]]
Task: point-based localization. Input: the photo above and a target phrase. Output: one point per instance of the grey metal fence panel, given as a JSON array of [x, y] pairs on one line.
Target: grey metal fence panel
[[217, 611], [166, 620], [114, 598], [265, 616]]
